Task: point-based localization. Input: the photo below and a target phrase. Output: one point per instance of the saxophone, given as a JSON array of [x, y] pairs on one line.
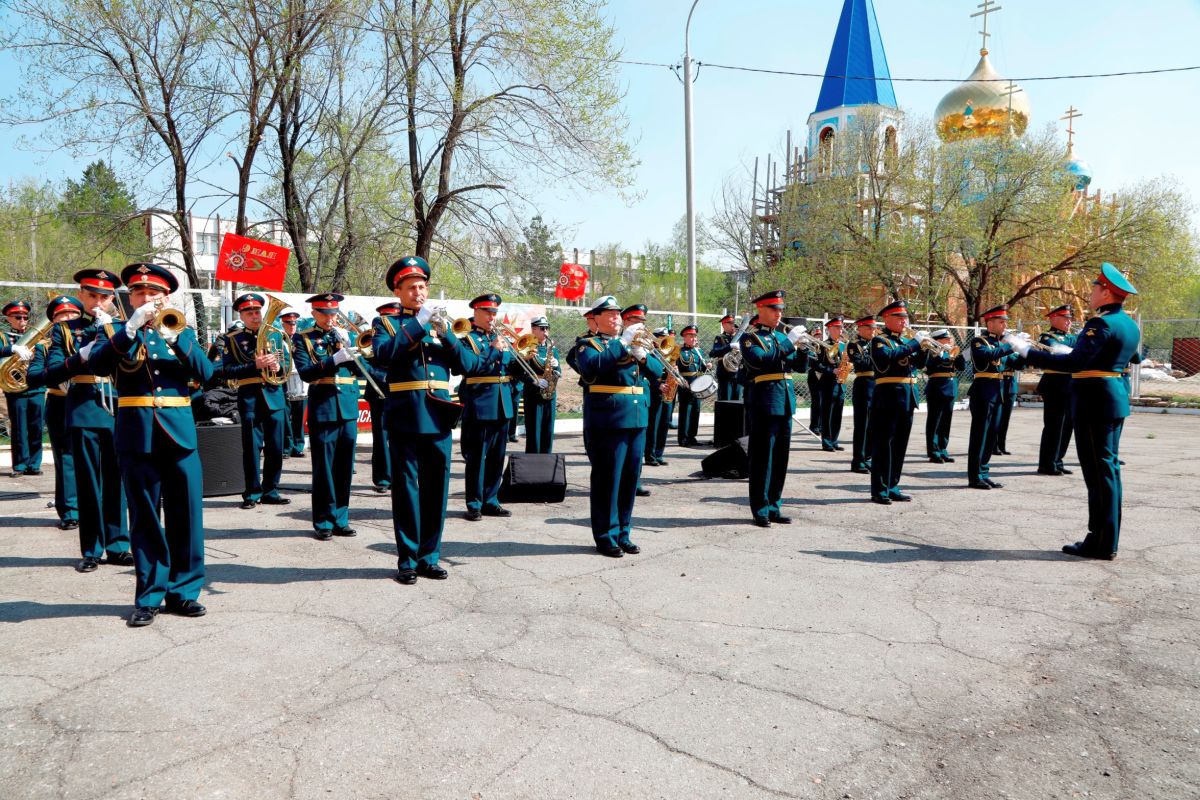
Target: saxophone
[[844, 366], [548, 371]]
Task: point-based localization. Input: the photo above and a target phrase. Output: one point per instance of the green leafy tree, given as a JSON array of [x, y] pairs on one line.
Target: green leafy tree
[[101, 207]]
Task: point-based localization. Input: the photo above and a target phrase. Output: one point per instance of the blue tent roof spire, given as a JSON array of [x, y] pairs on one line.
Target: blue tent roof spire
[[857, 51]]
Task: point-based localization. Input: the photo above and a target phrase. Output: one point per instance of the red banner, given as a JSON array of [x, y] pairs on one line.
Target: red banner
[[571, 282], [253, 262]]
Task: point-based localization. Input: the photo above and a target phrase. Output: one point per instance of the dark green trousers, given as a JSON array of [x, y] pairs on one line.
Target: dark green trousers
[[1056, 430], [833, 403], [293, 439], [102, 518], [332, 446], [1097, 444], [65, 501], [381, 452], [770, 446], [891, 427], [860, 456], [484, 444], [689, 416], [25, 413], [420, 487], [939, 412], [985, 419], [539, 422], [168, 559], [262, 431], [616, 456]]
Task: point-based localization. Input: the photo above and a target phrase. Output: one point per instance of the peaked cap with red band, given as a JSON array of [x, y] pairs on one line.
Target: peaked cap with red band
[[152, 275], [389, 309], [16, 305], [688, 329], [487, 302], [727, 318], [894, 307], [637, 309], [100, 281], [772, 299], [60, 304], [248, 302], [869, 319], [325, 302], [407, 267], [836, 319], [1062, 311], [997, 312]]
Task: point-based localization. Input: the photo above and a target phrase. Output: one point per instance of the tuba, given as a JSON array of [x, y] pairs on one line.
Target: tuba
[[263, 345], [14, 373]]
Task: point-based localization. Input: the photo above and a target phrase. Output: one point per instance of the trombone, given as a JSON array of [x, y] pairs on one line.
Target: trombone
[[522, 345], [667, 351], [345, 322]]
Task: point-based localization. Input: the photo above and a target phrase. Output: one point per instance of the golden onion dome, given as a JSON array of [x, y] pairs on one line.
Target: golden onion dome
[[979, 106]]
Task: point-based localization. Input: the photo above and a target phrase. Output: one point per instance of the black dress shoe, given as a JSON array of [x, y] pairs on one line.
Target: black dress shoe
[[382, 489], [120, 559], [662, 463], [948, 459], [513, 440], [1048, 471], [935, 460], [87, 565], [642, 492], [473, 515], [650, 462], [780, 518], [611, 552], [322, 534], [762, 522], [900, 497], [249, 503], [1081, 550], [629, 547], [186, 608], [15, 474], [980, 485], [406, 576], [1065, 471], [432, 571], [496, 511], [883, 501], [345, 532], [274, 500], [838, 447], [861, 470], [68, 524], [828, 449], [33, 472], [141, 617], [993, 484]]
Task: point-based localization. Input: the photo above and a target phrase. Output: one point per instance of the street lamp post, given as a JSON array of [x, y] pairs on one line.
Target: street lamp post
[[687, 139]]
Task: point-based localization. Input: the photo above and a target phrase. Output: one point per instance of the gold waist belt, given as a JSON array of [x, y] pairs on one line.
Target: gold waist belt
[[941, 374], [1008, 374], [153, 402], [988, 375], [864, 375], [56, 392], [1096, 373], [690, 374], [418, 386], [247, 381], [774, 376], [895, 380], [88, 379], [605, 389], [488, 379], [1054, 372], [331, 381]]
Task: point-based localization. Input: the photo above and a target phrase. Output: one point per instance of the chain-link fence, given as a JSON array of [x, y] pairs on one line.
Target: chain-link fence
[[1170, 365]]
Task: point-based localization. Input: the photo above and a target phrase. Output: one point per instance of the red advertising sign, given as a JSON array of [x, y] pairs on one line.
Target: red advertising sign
[[250, 261], [571, 282]]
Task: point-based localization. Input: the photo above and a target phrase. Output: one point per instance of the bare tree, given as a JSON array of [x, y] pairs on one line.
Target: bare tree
[[729, 228]]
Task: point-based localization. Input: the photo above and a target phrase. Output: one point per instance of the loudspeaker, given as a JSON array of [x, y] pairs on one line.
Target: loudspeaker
[[534, 478], [729, 421], [731, 461], [220, 449]]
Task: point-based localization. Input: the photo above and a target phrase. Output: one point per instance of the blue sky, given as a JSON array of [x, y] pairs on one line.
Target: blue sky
[[1133, 127]]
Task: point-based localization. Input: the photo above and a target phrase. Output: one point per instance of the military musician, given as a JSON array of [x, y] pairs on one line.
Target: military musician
[[324, 357], [66, 504], [988, 356], [1055, 389], [540, 410], [691, 365], [662, 399], [816, 411], [262, 402], [859, 352], [381, 450], [831, 390], [1009, 386], [941, 393], [728, 385], [26, 409], [769, 358], [152, 366], [896, 359], [103, 526], [296, 392], [1099, 403], [615, 416]]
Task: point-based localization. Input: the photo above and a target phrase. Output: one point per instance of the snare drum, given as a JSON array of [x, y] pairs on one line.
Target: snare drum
[[703, 387]]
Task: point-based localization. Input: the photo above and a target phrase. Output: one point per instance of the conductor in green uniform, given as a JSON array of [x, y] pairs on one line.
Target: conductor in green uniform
[[1099, 404]]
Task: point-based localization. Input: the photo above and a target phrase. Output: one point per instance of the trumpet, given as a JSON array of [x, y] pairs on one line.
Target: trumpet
[[169, 318], [929, 345], [442, 323], [345, 322]]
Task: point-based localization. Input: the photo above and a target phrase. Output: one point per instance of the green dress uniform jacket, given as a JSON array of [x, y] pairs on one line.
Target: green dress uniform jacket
[[691, 365], [26, 412], [988, 356], [103, 526], [156, 444], [941, 393], [728, 385], [833, 394], [65, 501], [861, 394], [769, 359], [540, 411], [332, 425], [487, 396], [616, 412], [1055, 390], [263, 409], [1099, 406], [896, 361]]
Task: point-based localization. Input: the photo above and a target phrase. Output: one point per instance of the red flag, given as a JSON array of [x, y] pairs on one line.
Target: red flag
[[571, 282], [251, 261]]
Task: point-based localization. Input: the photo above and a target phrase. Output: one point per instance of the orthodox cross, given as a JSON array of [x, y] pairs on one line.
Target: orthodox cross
[[1071, 115], [988, 7]]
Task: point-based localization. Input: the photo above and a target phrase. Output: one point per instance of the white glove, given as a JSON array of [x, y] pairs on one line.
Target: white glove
[[553, 362], [425, 313], [630, 332], [341, 335], [920, 336], [638, 352], [344, 355], [23, 352], [542, 383], [86, 350], [795, 333], [1019, 342], [169, 336], [101, 316], [138, 319], [1060, 349]]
